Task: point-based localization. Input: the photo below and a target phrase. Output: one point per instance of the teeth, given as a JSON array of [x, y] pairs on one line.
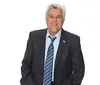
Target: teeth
[[54, 24]]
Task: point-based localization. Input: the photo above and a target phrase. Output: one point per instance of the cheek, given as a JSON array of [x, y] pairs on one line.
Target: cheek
[[49, 24], [48, 21], [60, 22]]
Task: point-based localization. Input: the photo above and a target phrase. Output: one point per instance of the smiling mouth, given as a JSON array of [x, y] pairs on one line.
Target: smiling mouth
[[54, 24]]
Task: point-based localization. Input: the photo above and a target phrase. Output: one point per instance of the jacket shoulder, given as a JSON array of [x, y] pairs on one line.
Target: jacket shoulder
[[37, 32], [71, 36]]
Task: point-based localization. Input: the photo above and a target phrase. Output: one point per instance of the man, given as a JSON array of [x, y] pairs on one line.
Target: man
[[53, 56]]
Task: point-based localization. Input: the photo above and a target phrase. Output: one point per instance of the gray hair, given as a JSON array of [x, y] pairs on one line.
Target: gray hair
[[55, 6]]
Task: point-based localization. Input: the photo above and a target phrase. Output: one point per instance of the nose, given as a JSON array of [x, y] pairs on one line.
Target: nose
[[55, 19]]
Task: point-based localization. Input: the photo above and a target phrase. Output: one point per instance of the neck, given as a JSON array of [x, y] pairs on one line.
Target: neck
[[52, 34]]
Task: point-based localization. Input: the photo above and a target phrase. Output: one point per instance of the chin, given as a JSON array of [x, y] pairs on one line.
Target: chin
[[53, 30]]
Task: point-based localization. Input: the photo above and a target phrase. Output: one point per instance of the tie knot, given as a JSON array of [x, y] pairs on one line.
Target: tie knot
[[52, 38]]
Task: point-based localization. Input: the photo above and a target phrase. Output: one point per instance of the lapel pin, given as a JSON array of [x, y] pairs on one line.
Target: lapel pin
[[63, 41]]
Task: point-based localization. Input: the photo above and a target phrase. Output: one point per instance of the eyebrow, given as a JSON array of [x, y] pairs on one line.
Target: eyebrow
[[57, 15], [50, 14]]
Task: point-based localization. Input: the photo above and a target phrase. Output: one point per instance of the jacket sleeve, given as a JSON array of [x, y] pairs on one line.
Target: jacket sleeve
[[77, 64], [26, 62]]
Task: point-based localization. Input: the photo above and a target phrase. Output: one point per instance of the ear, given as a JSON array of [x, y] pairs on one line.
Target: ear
[[63, 20]]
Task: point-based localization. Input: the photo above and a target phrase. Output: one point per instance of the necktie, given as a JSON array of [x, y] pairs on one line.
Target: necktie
[[47, 78]]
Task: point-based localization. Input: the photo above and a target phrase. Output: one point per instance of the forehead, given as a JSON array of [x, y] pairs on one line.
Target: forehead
[[55, 11]]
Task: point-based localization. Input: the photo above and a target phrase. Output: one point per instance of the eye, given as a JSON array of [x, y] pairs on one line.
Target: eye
[[59, 16], [51, 16]]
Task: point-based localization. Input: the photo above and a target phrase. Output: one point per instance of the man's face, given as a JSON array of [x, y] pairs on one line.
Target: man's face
[[54, 20]]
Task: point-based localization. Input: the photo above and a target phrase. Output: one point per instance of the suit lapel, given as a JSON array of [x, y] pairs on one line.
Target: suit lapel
[[41, 43], [42, 46], [62, 45]]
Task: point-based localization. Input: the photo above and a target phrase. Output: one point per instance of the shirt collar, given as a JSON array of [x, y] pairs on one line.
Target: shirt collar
[[57, 35]]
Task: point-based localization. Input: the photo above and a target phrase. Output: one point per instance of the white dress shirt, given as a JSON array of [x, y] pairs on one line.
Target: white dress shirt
[[56, 44]]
